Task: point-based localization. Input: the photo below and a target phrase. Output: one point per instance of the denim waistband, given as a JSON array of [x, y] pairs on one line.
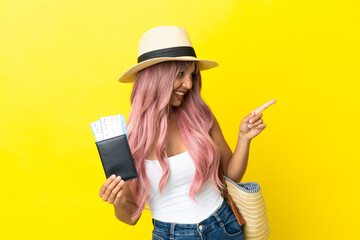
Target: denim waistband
[[206, 224]]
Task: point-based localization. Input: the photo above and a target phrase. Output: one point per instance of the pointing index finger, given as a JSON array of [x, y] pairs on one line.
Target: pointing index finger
[[264, 106]]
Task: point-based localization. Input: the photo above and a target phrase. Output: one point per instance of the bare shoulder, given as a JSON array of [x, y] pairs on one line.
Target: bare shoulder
[[215, 130], [221, 143]]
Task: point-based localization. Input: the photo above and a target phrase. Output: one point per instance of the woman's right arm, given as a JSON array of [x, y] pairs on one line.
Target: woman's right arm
[[117, 192]]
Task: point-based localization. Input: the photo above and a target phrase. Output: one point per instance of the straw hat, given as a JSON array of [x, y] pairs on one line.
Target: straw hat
[[164, 43]]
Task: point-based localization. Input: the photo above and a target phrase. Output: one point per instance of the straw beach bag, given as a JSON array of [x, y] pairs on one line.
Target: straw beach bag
[[247, 203], [250, 202]]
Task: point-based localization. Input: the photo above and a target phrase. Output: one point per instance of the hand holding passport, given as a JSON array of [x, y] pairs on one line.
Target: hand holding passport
[[112, 144]]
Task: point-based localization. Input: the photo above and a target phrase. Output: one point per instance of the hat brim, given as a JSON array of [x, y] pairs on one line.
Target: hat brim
[[129, 75]]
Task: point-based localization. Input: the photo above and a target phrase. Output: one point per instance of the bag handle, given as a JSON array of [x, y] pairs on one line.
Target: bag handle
[[229, 199]]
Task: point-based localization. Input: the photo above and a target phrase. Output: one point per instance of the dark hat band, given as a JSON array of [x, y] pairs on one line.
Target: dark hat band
[[168, 52]]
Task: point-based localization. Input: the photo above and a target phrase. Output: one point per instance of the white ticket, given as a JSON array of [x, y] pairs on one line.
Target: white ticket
[[117, 126], [105, 127], [123, 125], [108, 127], [96, 129]]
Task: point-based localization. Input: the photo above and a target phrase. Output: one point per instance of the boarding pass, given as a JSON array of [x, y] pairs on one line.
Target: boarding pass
[[108, 127]]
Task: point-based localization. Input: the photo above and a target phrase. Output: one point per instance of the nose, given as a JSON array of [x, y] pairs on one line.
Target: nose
[[188, 82]]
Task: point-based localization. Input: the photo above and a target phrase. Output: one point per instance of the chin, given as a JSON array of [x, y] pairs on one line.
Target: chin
[[175, 104]]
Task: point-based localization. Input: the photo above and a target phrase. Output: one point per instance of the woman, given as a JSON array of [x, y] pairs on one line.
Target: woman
[[177, 145]]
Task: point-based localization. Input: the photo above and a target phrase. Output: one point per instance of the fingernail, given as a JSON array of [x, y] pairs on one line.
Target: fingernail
[[118, 177], [249, 125], [113, 176], [121, 181], [250, 121]]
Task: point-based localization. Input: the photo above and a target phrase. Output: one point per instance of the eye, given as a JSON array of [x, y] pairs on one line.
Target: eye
[[193, 75], [180, 74]]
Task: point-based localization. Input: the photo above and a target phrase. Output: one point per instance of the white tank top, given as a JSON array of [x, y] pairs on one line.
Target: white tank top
[[174, 203]]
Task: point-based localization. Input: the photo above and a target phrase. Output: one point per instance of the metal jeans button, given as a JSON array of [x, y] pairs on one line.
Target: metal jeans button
[[201, 227]]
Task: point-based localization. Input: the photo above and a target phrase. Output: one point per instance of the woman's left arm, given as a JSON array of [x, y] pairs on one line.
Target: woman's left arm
[[234, 164]]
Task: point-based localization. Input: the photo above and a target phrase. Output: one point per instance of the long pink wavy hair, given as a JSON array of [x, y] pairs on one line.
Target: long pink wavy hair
[[150, 108]]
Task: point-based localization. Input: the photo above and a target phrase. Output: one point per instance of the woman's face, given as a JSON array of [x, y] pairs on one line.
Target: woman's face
[[182, 84]]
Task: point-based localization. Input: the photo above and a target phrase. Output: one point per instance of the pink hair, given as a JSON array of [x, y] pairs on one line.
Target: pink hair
[[150, 108]]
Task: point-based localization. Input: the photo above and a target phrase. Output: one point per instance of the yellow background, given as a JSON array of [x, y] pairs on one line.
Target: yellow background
[[59, 64]]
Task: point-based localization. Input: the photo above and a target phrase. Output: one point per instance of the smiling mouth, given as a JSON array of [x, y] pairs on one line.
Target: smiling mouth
[[179, 93]]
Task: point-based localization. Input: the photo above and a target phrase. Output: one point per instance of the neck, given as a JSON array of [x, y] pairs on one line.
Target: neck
[[171, 113]]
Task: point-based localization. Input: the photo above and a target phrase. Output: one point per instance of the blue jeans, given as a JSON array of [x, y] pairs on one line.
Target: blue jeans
[[222, 224]]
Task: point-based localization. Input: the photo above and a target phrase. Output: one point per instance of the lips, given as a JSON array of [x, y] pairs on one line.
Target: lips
[[179, 94]]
